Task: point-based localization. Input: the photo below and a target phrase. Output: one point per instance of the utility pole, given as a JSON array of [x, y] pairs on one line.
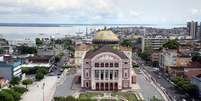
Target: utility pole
[[43, 91]]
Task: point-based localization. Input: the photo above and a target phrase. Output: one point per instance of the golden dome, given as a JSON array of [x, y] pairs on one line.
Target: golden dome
[[106, 36]]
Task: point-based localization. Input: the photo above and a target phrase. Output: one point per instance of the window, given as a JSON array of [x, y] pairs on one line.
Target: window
[[106, 74], [116, 74], [116, 64], [111, 64], [87, 84], [125, 62], [125, 74], [87, 74], [96, 64], [96, 74], [111, 76], [102, 74], [87, 62], [102, 64], [106, 65]]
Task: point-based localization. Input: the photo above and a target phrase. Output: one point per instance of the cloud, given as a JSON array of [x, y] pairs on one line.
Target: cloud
[[98, 11], [195, 11]]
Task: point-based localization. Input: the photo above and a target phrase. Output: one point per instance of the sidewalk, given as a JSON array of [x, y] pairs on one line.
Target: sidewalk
[[36, 91]]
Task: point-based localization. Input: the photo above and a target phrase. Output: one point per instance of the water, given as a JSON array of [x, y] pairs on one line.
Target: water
[[20, 33], [30, 33]]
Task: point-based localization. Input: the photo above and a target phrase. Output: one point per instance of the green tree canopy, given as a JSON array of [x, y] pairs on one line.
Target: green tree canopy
[[1, 50], [171, 44], [15, 81], [27, 82], [127, 43], [38, 41], [39, 76], [26, 50]]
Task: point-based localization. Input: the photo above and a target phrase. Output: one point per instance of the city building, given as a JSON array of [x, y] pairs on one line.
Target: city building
[[167, 59], [155, 57], [192, 29], [3, 82], [154, 42], [80, 51], [11, 69], [106, 67], [196, 80]]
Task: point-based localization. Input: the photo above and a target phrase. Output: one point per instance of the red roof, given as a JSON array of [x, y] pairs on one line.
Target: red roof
[[192, 73]]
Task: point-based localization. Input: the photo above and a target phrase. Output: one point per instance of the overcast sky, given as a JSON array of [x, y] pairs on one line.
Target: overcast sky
[[100, 11]]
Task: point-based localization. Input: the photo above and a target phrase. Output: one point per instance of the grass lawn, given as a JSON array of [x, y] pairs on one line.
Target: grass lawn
[[89, 95], [127, 95]]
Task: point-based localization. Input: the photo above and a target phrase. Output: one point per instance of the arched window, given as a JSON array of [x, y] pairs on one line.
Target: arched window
[[102, 64], [116, 64], [96, 64], [106, 64], [111, 64]]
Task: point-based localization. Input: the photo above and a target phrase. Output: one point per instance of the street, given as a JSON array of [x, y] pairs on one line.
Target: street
[[164, 83]]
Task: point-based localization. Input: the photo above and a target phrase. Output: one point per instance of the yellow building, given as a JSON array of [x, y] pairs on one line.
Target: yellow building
[[80, 52]]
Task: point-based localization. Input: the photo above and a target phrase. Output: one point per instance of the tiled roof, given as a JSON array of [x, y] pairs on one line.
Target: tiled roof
[[90, 54], [192, 73]]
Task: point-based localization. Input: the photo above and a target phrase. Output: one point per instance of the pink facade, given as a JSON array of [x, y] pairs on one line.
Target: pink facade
[[107, 70]]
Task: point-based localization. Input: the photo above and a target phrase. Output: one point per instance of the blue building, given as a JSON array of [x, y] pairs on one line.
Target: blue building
[[197, 81], [11, 69]]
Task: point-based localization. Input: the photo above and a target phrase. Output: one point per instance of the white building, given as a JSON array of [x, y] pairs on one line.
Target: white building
[[154, 42], [167, 58]]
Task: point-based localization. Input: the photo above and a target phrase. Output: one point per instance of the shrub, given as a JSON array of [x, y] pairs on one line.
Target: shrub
[[42, 70], [15, 81], [39, 76], [5, 96], [20, 90], [26, 70], [27, 82]]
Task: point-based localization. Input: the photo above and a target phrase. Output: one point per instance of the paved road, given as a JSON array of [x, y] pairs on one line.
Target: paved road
[[147, 90], [64, 89], [42, 90], [174, 93]]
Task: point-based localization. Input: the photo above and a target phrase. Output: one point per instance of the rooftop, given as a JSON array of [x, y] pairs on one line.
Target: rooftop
[[106, 35], [90, 54]]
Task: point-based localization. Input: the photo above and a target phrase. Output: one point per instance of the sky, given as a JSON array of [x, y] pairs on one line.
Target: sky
[[100, 11]]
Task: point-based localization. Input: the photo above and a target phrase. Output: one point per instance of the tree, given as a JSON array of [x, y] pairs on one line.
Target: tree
[[25, 70], [20, 90], [171, 44], [27, 82], [196, 57], [191, 89], [1, 50], [127, 43], [26, 50], [38, 42], [16, 96], [15, 81], [5, 96], [42, 70], [39, 76]]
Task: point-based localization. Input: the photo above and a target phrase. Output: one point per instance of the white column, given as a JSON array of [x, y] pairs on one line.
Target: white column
[[99, 72]]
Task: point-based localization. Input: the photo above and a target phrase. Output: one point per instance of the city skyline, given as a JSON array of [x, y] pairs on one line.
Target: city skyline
[[100, 11]]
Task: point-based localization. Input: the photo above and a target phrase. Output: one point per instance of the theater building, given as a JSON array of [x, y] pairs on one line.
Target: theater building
[[105, 66]]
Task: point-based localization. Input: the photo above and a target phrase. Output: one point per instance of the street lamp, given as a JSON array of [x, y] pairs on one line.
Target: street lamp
[[43, 91]]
